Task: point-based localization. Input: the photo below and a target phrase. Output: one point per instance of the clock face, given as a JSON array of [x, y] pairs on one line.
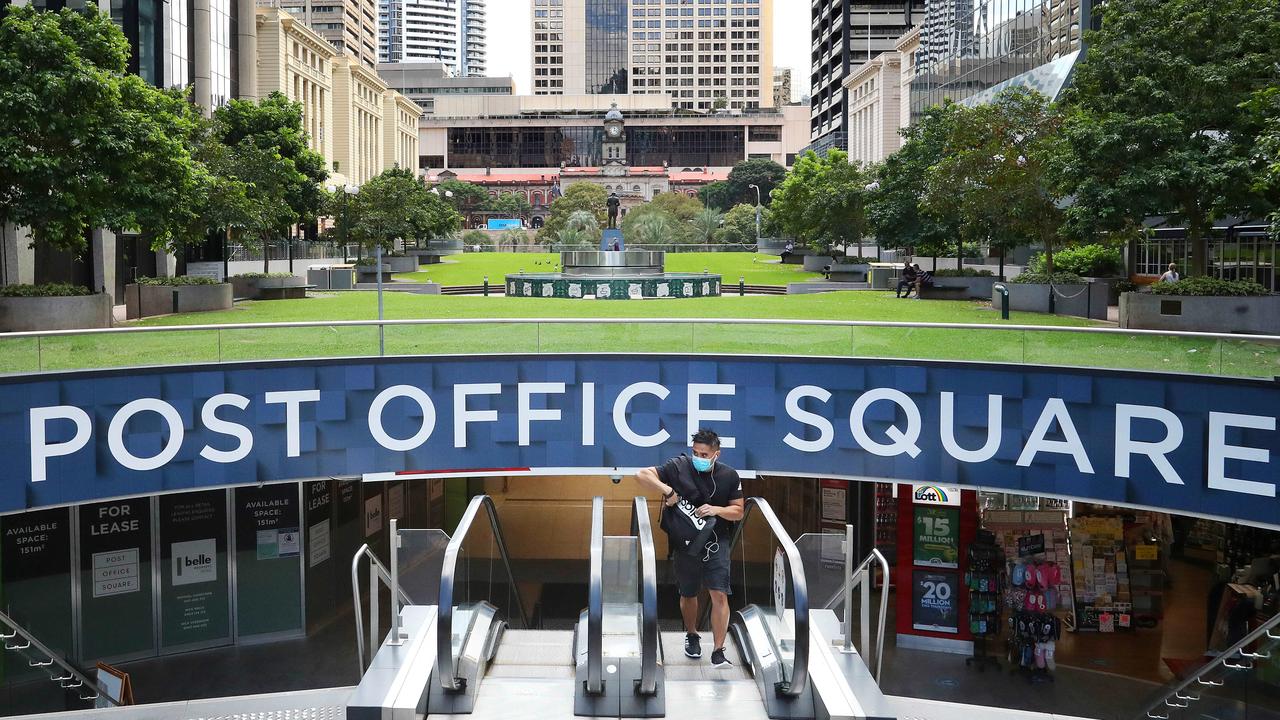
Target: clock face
[[614, 131]]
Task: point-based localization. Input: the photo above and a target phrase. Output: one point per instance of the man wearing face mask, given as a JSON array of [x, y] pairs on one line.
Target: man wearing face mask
[[702, 500]]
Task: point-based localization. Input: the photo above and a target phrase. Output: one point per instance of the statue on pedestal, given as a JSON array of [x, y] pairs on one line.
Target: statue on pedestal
[[613, 203]]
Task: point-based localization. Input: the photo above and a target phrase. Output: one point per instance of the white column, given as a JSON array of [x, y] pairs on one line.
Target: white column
[[104, 253], [201, 35], [247, 28]]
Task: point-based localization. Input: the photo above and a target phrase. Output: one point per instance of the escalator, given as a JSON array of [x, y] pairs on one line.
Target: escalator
[[473, 652]]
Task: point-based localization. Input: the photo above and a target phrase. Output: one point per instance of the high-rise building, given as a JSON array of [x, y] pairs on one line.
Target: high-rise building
[[781, 87], [978, 47], [845, 35], [704, 55], [351, 26], [451, 32], [424, 82]]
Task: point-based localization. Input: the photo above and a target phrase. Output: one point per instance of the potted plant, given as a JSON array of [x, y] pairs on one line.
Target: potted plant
[[1203, 304], [52, 306], [165, 295], [1094, 263]]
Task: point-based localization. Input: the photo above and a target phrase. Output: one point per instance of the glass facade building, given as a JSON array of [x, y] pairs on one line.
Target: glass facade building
[[647, 146], [606, 46], [969, 47]]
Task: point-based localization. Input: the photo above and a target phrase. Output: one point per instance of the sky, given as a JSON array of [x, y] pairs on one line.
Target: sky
[[511, 36]]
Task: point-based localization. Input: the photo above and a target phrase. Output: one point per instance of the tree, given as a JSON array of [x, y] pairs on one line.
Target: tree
[[463, 196], [83, 144], [248, 191], [762, 172], [655, 228], [675, 231], [718, 195], [274, 125], [573, 237], [1155, 124], [579, 196], [682, 208], [397, 205], [821, 201], [512, 205], [584, 221], [739, 226], [893, 206], [992, 177], [706, 226]]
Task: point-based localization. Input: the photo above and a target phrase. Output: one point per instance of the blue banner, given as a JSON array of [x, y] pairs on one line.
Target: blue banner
[[1182, 443]]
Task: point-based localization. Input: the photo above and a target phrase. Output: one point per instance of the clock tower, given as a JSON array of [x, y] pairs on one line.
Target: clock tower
[[614, 146]]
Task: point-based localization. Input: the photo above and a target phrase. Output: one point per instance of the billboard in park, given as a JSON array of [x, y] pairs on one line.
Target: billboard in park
[[505, 223], [1189, 444]]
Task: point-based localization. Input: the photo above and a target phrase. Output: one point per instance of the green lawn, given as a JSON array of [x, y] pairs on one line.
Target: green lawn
[[1240, 358], [471, 268]]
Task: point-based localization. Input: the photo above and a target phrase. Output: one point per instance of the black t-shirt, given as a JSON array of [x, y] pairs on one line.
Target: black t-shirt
[[718, 487]]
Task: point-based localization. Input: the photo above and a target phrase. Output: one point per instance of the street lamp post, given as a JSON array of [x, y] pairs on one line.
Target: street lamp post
[[757, 189]]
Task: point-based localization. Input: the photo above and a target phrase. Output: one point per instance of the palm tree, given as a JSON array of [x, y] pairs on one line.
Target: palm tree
[[585, 221], [654, 229], [706, 224], [573, 237]]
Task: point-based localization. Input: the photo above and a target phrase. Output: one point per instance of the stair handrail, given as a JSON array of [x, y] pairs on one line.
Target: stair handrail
[[642, 529], [377, 572], [794, 687], [449, 679], [1235, 652], [16, 630], [862, 577], [595, 601]]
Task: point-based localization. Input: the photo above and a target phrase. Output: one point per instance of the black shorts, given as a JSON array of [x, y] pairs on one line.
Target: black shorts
[[693, 573]]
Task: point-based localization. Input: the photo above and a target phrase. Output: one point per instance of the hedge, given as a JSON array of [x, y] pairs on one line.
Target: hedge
[[261, 275], [44, 290], [1039, 278], [179, 281], [963, 272], [1091, 260], [1209, 287]]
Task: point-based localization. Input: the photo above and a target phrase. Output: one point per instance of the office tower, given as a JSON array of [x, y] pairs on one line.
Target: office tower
[[451, 32], [845, 35], [351, 26], [705, 55], [781, 87]]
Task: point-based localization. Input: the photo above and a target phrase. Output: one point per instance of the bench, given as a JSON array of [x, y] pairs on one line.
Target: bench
[[935, 292]]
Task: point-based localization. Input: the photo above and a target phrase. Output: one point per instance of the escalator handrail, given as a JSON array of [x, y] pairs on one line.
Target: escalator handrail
[[595, 601], [1234, 653], [799, 590], [444, 637], [643, 530]]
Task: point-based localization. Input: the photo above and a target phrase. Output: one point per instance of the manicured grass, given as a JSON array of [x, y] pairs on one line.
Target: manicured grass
[[471, 268], [1238, 358]]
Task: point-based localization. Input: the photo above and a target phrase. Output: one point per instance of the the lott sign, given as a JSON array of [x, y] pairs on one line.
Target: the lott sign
[[1199, 445]]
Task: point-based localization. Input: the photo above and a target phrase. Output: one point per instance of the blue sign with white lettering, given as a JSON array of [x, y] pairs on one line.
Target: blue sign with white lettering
[[1186, 444]]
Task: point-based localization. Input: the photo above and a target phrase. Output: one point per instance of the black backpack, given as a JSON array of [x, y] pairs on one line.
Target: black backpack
[[686, 532]]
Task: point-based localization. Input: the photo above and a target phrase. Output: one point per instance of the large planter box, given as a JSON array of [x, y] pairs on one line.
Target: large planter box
[[815, 263], [367, 273], [1113, 287], [147, 300], [398, 264], [269, 288], [1252, 315], [1087, 300], [23, 314], [974, 287]]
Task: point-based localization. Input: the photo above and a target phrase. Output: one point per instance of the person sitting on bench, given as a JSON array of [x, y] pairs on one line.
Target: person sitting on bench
[[924, 279], [906, 280]]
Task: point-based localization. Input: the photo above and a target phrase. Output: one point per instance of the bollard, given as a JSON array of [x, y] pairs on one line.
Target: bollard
[[486, 286], [742, 286], [1004, 300]]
